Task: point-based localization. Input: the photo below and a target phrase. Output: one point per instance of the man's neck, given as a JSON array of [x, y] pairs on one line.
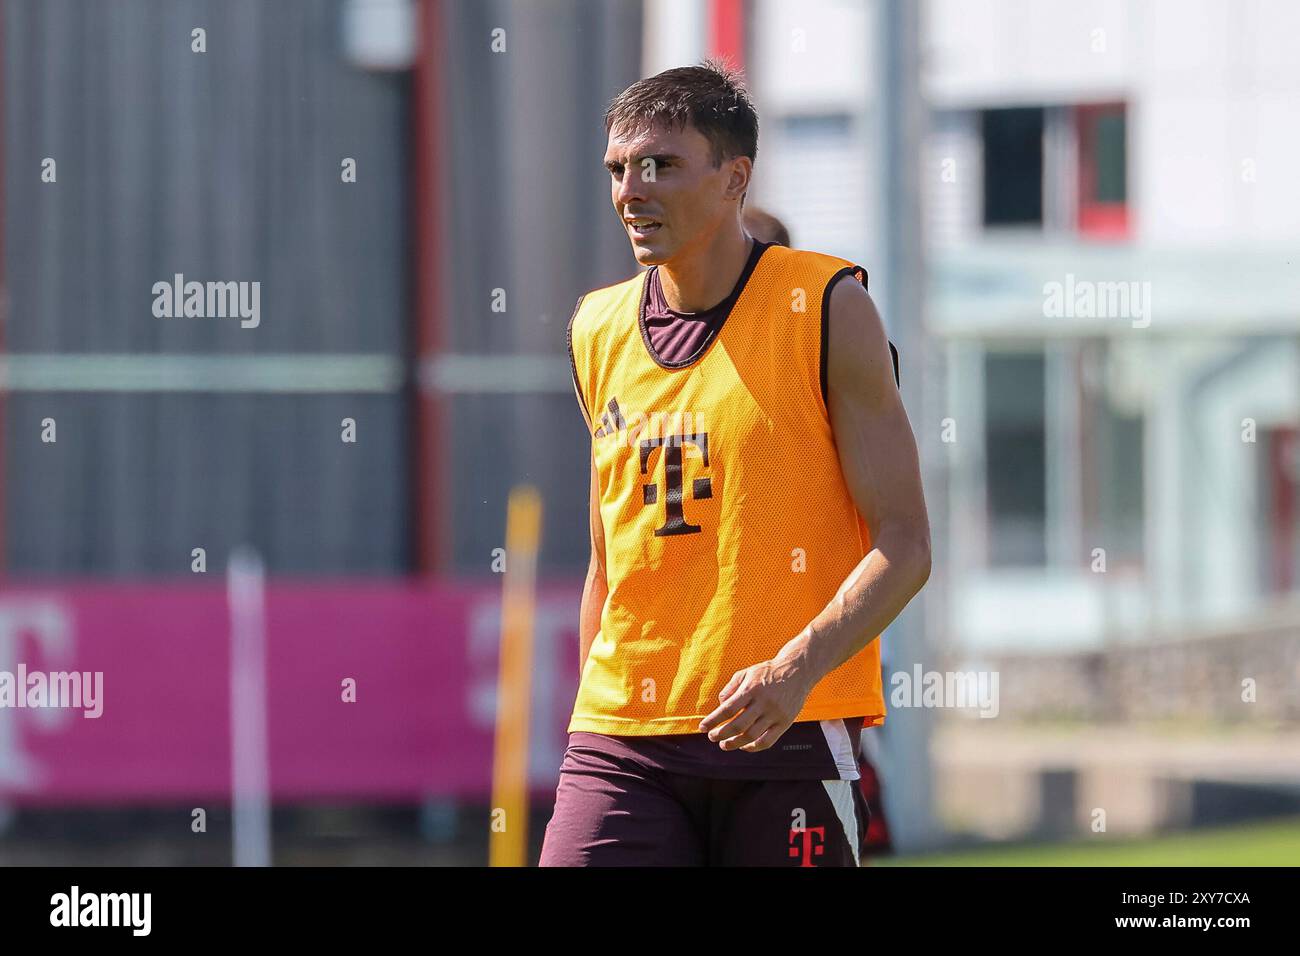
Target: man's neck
[[703, 280]]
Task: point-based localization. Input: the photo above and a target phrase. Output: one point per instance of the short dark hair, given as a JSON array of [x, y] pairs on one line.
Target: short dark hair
[[711, 97]]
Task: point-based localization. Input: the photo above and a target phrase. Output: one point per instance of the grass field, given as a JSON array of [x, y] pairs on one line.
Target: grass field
[[1276, 843]]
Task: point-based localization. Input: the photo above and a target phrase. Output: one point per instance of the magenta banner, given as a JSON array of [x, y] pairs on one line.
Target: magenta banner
[[387, 691]]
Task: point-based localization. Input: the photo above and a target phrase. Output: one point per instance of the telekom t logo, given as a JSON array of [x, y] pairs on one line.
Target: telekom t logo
[[808, 849], [673, 481], [49, 624]]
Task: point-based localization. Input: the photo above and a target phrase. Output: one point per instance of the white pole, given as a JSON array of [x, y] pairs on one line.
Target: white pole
[[901, 120], [249, 772]]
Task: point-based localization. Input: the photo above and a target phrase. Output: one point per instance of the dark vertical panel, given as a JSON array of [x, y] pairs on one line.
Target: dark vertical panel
[[1013, 166]]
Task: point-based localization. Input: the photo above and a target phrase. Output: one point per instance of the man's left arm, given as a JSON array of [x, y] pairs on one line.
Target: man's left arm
[[878, 455]]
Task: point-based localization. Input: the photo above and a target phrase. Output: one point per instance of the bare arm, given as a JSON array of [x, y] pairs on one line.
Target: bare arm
[[596, 589], [878, 455]]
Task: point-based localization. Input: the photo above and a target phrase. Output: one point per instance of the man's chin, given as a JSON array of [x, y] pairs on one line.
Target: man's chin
[[649, 254]]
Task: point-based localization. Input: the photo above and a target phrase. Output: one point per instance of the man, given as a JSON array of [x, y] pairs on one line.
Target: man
[[756, 510], [873, 838]]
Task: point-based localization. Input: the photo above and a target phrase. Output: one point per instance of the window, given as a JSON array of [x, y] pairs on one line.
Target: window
[[1103, 170], [1280, 530], [1112, 435], [1058, 168], [1013, 166], [1016, 457], [818, 184]]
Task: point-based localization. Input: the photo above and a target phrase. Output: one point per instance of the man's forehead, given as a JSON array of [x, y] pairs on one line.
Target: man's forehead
[[658, 139]]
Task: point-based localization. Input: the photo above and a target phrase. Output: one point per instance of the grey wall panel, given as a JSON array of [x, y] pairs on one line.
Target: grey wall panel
[[223, 166], [135, 482], [491, 459], [530, 213]]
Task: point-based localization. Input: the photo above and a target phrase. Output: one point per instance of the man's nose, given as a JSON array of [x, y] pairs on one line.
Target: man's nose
[[632, 187]]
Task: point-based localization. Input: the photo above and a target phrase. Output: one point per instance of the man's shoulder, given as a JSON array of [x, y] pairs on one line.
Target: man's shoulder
[[811, 260], [598, 304], [817, 273]]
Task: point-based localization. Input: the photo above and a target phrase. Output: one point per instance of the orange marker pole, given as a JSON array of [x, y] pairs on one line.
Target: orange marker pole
[[508, 843]]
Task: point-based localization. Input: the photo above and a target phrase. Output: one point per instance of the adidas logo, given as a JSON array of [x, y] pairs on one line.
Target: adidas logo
[[607, 425], [650, 429]]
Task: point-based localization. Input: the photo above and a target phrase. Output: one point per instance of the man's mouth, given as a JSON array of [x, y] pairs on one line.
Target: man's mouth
[[641, 226]]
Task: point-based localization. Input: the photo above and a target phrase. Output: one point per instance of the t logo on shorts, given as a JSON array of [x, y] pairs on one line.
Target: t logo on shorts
[[808, 850]]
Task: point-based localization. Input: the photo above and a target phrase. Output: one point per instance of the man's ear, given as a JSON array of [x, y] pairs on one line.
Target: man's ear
[[742, 169]]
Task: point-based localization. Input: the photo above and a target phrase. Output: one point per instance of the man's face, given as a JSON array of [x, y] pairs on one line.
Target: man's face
[[667, 192]]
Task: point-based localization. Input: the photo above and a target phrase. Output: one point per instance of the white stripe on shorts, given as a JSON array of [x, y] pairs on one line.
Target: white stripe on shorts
[[841, 747], [841, 794]]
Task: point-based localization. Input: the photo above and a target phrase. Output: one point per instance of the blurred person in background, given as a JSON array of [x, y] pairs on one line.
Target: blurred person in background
[[744, 562]]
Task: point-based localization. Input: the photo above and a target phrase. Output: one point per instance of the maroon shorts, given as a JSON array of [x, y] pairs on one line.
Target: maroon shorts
[[616, 810]]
